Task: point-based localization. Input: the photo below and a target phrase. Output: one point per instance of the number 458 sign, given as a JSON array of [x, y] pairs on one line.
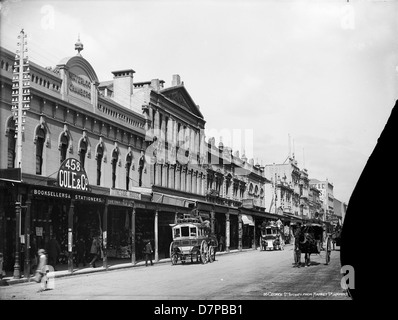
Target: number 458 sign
[[72, 175]]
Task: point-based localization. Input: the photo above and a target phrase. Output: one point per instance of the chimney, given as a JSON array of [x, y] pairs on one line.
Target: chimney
[[123, 86], [155, 84], [176, 80]]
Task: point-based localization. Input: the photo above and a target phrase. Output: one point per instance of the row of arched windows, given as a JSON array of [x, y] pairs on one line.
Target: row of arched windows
[[65, 146]]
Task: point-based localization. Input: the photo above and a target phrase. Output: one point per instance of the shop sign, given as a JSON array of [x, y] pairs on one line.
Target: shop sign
[[79, 197], [50, 193], [121, 202], [125, 194], [79, 86], [71, 175]]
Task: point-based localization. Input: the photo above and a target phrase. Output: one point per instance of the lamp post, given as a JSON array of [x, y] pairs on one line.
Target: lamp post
[[20, 103]]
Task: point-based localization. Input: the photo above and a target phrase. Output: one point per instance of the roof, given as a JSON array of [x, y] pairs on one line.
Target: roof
[[180, 96]]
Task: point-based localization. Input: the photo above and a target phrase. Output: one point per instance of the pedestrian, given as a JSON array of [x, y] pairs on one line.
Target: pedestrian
[[33, 255], [148, 253], [94, 251], [297, 251], [54, 250], [41, 271], [80, 252], [221, 244]]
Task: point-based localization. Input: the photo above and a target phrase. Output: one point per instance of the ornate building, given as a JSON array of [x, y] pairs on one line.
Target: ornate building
[[116, 159]]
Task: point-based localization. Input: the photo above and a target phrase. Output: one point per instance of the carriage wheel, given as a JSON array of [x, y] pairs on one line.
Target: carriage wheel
[[212, 254], [328, 249], [173, 255], [204, 251]]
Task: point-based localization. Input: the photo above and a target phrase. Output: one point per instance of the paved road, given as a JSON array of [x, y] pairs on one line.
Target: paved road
[[248, 275]]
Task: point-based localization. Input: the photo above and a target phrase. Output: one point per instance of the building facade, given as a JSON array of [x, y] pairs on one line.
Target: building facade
[[326, 196], [119, 160]]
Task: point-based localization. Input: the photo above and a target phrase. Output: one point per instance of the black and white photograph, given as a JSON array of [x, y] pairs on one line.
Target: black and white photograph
[[197, 154]]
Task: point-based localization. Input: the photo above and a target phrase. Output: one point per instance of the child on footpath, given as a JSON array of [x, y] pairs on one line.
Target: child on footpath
[[41, 272]]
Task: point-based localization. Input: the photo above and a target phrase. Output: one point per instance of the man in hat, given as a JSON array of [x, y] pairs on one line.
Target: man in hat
[[148, 253]]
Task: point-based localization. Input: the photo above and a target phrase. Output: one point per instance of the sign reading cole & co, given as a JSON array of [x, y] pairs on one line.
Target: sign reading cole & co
[[71, 175]]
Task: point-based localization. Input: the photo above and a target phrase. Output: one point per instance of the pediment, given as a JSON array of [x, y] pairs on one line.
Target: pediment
[[180, 96]]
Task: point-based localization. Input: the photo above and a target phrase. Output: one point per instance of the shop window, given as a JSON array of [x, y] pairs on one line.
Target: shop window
[[63, 147], [115, 157], [40, 136], [100, 155], [83, 152]]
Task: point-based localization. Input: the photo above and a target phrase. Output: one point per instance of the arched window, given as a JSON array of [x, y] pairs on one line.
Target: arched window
[[11, 145], [115, 156], [100, 155], [63, 147], [129, 159], [83, 151], [40, 138], [251, 188]]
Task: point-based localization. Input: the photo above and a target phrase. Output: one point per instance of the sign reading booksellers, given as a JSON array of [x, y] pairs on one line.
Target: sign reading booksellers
[[71, 175]]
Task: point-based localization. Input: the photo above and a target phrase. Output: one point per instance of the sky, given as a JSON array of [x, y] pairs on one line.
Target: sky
[[324, 73]]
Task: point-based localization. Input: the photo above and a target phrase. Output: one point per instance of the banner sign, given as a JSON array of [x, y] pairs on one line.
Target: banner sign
[[71, 175]]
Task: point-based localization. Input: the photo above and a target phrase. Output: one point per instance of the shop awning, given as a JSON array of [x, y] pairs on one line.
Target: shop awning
[[171, 200], [246, 219]]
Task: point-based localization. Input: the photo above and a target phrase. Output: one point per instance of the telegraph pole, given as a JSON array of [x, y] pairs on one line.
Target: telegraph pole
[[20, 103]]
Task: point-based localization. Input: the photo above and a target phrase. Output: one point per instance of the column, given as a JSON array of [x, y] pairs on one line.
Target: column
[[27, 237], [254, 234], [105, 236], [164, 175], [175, 132], [158, 174], [183, 177], [156, 124], [156, 236], [212, 222], [240, 232], [17, 266], [169, 135], [178, 177], [227, 232], [133, 259], [189, 181], [49, 220], [171, 184], [194, 182], [70, 235]]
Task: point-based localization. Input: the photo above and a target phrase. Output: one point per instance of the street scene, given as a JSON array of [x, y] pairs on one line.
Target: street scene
[[252, 275], [147, 141]]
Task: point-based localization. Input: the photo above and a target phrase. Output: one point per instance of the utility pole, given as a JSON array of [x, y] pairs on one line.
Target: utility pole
[[20, 103]]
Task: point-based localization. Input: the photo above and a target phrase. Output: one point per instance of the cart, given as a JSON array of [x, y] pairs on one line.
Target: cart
[[313, 239], [271, 238], [192, 241]]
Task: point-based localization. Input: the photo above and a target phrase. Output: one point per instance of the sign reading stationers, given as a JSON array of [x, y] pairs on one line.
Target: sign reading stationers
[[71, 175]]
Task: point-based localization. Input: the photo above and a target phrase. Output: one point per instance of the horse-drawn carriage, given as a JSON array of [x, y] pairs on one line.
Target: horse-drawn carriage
[[192, 240], [271, 237], [313, 239]]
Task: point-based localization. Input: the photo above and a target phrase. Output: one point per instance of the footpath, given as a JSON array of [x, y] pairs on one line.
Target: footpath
[[113, 264]]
